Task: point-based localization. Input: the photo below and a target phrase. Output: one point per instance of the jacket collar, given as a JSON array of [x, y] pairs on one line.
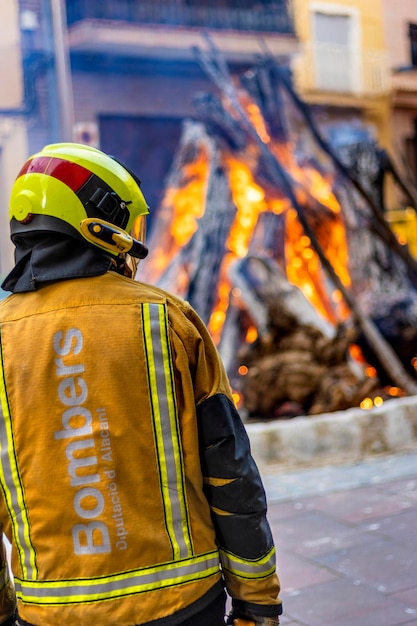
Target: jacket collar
[[41, 258]]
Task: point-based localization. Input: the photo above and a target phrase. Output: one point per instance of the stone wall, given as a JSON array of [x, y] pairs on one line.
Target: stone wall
[[340, 437]]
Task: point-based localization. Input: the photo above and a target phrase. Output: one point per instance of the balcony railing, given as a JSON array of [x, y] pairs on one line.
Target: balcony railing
[[336, 68], [272, 16]]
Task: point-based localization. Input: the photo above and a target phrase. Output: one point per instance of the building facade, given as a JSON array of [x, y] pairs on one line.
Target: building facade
[[123, 75], [118, 75], [13, 108], [357, 67], [400, 24], [133, 71], [342, 69]]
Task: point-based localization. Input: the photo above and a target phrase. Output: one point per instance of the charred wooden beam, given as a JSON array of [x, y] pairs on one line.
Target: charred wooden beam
[[215, 65], [220, 122], [210, 244], [388, 234], [267, 93], [295, 369]]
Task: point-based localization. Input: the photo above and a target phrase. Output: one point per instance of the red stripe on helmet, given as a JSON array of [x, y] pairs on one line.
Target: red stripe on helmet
[[71, 174]]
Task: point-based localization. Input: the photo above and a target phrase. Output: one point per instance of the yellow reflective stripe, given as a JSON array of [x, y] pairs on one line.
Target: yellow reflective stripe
[[249, 568], [119, 585], [153, 390], [175, 430], [159, 441], [13, 488], [166, 427]]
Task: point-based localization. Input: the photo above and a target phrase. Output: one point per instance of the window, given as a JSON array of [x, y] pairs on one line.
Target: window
[[333, 53], [412, 31], [411, 151]]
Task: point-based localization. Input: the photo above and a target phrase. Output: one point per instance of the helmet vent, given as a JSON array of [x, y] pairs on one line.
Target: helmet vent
[[101, 201], [109, 204]]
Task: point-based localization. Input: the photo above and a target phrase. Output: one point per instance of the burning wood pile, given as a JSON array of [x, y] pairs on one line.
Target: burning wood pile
[[294, 369], [284, 252]]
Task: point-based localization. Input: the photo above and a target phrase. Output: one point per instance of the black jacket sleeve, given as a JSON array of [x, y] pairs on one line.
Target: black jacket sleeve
[[235, 492]]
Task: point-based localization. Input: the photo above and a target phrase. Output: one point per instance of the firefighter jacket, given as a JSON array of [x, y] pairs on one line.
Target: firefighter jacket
[[128, 489]]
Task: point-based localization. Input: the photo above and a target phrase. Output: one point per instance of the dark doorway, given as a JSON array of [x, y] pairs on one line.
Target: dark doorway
[[412, 31], [146, 146], [411, 151]]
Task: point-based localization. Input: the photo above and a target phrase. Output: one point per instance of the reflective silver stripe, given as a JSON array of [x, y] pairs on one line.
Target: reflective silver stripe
[[12, 487], [147, 579], [245, 568], [166, 427]]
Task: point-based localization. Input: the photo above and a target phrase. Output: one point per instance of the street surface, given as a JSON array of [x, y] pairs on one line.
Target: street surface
[[346, 541]]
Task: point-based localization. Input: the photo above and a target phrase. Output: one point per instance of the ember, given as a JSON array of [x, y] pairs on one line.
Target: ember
[[276, 247]]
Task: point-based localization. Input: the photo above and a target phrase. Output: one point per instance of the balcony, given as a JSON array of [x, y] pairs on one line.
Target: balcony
[[169, 31], [404, 87], [254, 16], [340, 70]]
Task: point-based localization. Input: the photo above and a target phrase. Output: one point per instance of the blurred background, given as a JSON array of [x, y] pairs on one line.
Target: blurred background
[[276, 142], [121, 74]]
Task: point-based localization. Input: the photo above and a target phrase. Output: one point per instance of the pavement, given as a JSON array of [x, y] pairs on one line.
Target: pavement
[[346, 538]]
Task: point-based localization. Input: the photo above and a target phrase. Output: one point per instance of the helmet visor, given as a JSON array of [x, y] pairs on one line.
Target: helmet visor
[[138, 230]]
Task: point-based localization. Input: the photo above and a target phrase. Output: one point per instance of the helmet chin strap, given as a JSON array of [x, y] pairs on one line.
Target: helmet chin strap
[[112, 238], [125, 265]]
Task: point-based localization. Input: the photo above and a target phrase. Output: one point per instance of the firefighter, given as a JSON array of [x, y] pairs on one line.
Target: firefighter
[[128, 490]]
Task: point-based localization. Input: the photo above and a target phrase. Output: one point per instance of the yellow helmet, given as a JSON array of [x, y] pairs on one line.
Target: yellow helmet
[[82, 192]]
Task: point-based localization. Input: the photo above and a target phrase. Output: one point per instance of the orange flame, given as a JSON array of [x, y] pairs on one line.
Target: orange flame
[[181, 207], [249, 199], [302, 263], [185, 203]]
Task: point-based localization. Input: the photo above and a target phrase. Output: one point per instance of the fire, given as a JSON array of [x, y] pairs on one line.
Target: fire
[[233, 216], [249, 199], [304, 267], [302, 263], [181, 208], [254, 113], [185, 203], [189, 201], [255, 116]]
